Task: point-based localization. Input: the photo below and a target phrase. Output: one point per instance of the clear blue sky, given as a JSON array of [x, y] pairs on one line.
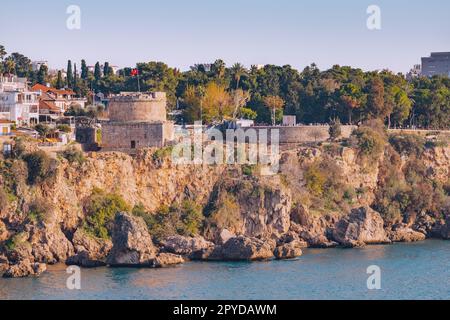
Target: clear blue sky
[[184, 32]]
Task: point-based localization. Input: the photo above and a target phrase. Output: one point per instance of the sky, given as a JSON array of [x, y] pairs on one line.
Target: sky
[[184, 32]]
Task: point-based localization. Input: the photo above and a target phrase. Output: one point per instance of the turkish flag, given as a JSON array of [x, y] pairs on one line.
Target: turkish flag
[[134, 72]]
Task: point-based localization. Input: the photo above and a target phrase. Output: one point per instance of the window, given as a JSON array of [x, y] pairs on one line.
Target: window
[[133, 144]]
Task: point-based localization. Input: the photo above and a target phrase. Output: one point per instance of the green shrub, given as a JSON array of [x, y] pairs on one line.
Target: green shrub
[[392, 199], [226, 214], [3, 199], [101, 210], [248, 170], [38, 210], [42, 129], [19, 147], [64, 128], [446, 187], [439, 143], [74, 155], [192, 217], [162, 153], [16, 241], [98, 136], [349, 195], [335, 130], [408, 144], [370, 142], [315, 179], [248, 113], [40, 167], [185, 219]]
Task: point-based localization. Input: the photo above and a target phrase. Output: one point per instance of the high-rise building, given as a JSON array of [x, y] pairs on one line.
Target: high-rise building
[[437, 64]]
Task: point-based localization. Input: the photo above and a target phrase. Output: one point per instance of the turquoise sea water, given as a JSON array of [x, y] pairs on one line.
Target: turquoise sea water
[[408, 271]]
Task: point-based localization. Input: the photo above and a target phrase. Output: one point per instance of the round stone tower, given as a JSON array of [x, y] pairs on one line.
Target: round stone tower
[[137, 120], [138, 107]]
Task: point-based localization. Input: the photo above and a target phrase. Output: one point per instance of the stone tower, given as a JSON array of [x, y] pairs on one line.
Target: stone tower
[[137, 120]]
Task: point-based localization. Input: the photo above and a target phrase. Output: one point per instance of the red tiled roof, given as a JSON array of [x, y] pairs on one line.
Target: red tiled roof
[[40, 87], [48, 105]]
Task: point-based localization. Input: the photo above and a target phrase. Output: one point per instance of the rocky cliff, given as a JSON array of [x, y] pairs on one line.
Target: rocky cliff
[[323, 197]]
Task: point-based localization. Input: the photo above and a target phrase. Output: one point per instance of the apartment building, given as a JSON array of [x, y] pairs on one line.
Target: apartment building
[[437, 64], [17, 103]]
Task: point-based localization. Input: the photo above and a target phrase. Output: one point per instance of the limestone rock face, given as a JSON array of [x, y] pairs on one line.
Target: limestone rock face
[[186, 245], [442, 230], [257, 207], [90, 251], [267, 215], [250, 249], [3, 263], [163, 260], [225, 235], [363, 226], [292, 237], [315, 230], [25, 268], [288, 250], [402, 233], [321, 242], [3, 231], [132, 244], [49, 244]]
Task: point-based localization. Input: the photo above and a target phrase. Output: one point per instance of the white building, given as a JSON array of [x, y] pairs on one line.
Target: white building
[[19, 107], [5, 127], [36, 65], [12, 83], [17, 104]]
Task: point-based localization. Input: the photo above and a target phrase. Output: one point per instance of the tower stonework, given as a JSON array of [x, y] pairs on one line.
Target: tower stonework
[[137, 120]]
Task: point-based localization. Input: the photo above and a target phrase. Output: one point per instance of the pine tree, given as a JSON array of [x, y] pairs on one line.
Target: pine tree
[[69, 78]]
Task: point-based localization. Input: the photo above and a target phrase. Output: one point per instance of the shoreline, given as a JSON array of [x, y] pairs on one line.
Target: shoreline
[[62, 266], [320, 274]]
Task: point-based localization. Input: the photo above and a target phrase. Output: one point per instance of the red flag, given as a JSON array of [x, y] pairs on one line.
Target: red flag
[[134, 72]]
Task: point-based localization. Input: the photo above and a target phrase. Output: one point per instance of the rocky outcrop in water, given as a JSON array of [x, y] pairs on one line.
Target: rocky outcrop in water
[[247, 249], [289, 250], [132, 244], [91, 252], [402, 233], [24, 268], [363, 226], [186, 246], [442, 229], [164, 260]]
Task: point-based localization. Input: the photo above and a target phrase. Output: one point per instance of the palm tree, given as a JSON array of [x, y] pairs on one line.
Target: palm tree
[[238, 71], [10, 65], [2, 52], [219, 68]]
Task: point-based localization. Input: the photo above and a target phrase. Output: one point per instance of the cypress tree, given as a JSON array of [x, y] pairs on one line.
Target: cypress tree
[[84, 70], [69, 78], [97, 72], [59, 81]]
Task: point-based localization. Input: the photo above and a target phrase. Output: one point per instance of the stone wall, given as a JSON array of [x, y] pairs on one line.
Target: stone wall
[[126, 137], [305, 134], [87, 137]]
